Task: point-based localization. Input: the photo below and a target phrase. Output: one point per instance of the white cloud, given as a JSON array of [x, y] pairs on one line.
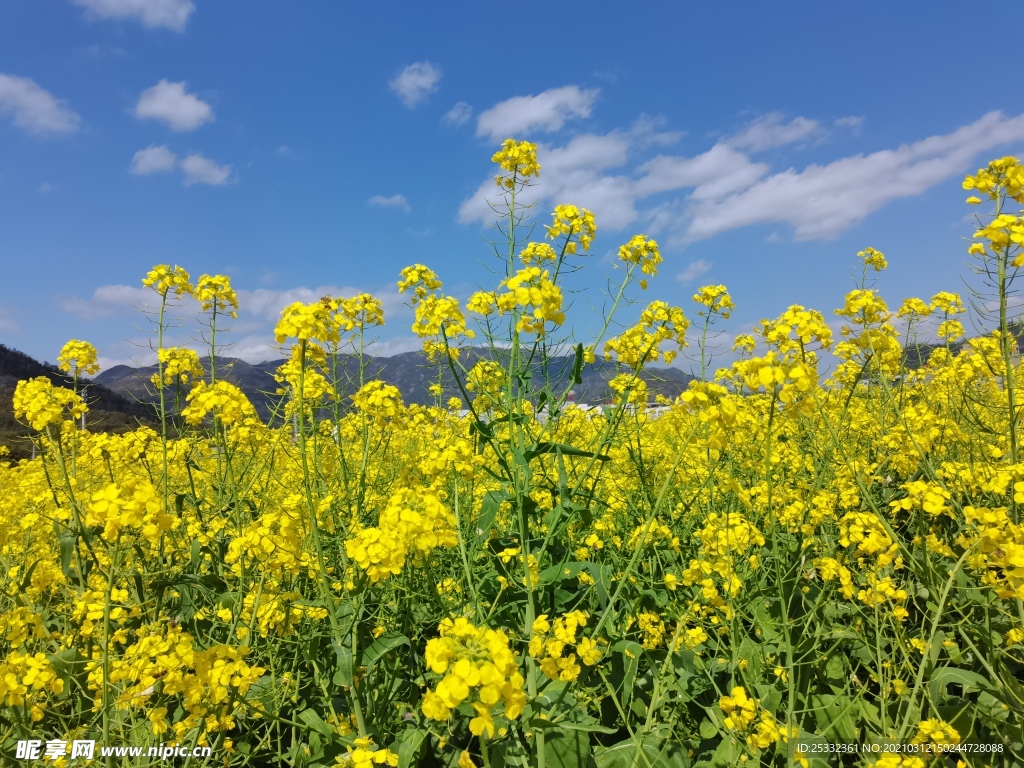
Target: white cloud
[[770, 131], [171, 14], [153, 160], [203, 170], [693, 270], [257, 348], [35, 109], [852, 123], [700, 196], [823, 200], [394, 346], [46, 187], [414, 83], [395, 201], [458, 115], [170, 103], [547, 111], [718, 171], [107, 300], [576, 173]]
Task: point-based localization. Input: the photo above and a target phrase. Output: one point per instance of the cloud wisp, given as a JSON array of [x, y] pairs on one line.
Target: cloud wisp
[[693, 270], [34, 109], [416, 82], [458, 115], [395, 201], [694, 197], [169, 14]]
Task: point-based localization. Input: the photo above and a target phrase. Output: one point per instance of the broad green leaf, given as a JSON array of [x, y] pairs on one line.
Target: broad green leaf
[[643, 752], [410, 744], [344, 665], [488, 511], [381, 646], [945, 676], [566, 749], [314, 721]]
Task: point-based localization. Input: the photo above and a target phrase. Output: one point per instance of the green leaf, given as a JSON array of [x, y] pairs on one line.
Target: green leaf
[[26, 580], [488, 511], [67, 664], [314, 721], [558, 573], [67, 550], [483, 428], [641, 752], [625, 664], [577, 366], [410, 744], [944, 676], [835, 667], [381, 646], [835, 716], [589, 726], [262, 691], [566, 749], [542, 448], [344, 665], [728, 753]]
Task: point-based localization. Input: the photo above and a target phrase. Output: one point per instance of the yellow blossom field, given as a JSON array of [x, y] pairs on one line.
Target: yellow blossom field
[[813, 557]]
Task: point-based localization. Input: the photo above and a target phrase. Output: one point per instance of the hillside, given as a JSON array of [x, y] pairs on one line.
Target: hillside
[[410, 372], [108, 410]]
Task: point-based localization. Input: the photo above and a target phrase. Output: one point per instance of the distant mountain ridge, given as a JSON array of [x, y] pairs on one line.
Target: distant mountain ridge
[[410, 372]]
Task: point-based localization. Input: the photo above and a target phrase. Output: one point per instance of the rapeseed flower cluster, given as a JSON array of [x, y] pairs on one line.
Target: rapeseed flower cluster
[[477, 665]]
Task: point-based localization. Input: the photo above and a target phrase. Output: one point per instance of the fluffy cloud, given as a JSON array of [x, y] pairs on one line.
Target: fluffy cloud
[[170, 103], [414, 83], [203, 170], [577, 172], [693, 270], [153, 160], [395, 201], [703, 195], [171, 14], [458, 115], [770, 131], [823, 200], [34, 109], [395, 346], [547, 111], [107, 300]]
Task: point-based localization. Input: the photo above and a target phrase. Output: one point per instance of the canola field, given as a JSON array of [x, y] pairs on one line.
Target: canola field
[[813, 557]]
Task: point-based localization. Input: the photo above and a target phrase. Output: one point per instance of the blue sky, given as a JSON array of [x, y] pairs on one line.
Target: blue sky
[[320, 147]]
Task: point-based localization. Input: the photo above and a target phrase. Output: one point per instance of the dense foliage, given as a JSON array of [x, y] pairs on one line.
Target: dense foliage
[[780, 559]]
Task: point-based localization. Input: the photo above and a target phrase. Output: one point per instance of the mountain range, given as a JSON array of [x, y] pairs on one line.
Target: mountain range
[[411, 372]]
